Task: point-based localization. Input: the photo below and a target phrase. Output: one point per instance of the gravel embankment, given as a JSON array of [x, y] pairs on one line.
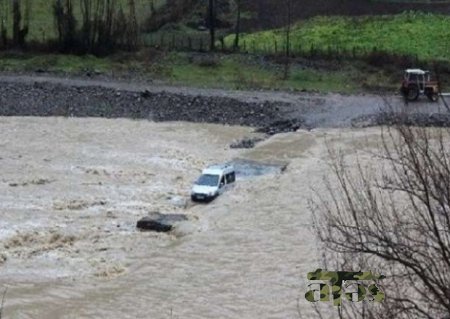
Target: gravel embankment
[[270, 112], [45, 99]]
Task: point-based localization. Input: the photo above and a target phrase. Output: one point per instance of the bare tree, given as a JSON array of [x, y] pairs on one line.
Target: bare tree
[[396, 220], [212, 24], [238, 24], [105, 26], [66, 24], [152, 7], [133, 28], [20, 28], [288, 8], [3, 23], [3, 302]]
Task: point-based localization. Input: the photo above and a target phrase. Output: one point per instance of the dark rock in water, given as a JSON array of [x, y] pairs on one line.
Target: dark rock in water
[[160, 222], [283, 126], [246, 143]]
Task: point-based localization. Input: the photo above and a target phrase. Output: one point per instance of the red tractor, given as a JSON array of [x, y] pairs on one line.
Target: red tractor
[[417, 82]]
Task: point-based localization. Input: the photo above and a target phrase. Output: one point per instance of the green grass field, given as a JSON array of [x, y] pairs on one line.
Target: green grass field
[[42, 22], [241, 73], [424, 35], [235, 71], [413, 33]]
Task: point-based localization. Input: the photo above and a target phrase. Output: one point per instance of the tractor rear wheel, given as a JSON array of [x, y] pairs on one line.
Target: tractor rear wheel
[[412, 93]]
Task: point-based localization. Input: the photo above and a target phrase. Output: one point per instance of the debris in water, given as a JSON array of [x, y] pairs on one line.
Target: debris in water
[[3, 258], [246, 143], [160, 222], [283, 126], [248, 168]]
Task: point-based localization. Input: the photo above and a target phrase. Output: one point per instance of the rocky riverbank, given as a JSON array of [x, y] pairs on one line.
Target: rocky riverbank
[[269, 112], [48, 99]]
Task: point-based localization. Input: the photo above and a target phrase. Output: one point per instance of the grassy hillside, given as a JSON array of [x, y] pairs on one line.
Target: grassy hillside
[[421, 34], [42, 22], [202, 70]]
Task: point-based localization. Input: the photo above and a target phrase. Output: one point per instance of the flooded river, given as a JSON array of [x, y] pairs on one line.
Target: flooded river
[[71, 191]]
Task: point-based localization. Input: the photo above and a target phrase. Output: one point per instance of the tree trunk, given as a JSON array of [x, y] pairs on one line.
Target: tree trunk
[[3, 24], [288, 38], [133, 26], [238, 25], [212, 24], [17, 17]]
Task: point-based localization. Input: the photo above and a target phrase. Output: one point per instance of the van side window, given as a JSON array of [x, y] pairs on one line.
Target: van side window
[[231, 177], [222, 181]]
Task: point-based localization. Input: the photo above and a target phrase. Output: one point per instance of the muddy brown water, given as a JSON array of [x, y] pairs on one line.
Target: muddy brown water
[[71, 191]]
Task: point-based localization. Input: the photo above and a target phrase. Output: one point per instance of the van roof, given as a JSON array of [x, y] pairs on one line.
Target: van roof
[[218, 169]]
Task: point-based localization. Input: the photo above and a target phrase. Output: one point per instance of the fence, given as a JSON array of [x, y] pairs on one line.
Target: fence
[[174, 42]]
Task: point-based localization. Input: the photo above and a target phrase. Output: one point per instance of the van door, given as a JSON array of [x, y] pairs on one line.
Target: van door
[[231, 177], [222, 184]]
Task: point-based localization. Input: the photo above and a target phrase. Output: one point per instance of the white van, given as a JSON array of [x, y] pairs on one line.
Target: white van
[[213, 182]]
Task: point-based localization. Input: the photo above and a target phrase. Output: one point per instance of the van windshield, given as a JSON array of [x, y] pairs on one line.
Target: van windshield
[[208, 180]]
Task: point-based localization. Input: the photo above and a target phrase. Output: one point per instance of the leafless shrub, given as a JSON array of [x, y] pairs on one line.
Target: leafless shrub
[[16, 12], [3, 23], [104, 26], [3, 302], [394, 220], [65, 24], [20, 28]]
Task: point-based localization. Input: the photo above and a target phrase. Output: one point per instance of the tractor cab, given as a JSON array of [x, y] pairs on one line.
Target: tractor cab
[[418, 82], [418, 77]]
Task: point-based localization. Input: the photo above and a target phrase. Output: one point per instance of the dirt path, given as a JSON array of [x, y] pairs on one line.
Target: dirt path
[[246, 96]]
